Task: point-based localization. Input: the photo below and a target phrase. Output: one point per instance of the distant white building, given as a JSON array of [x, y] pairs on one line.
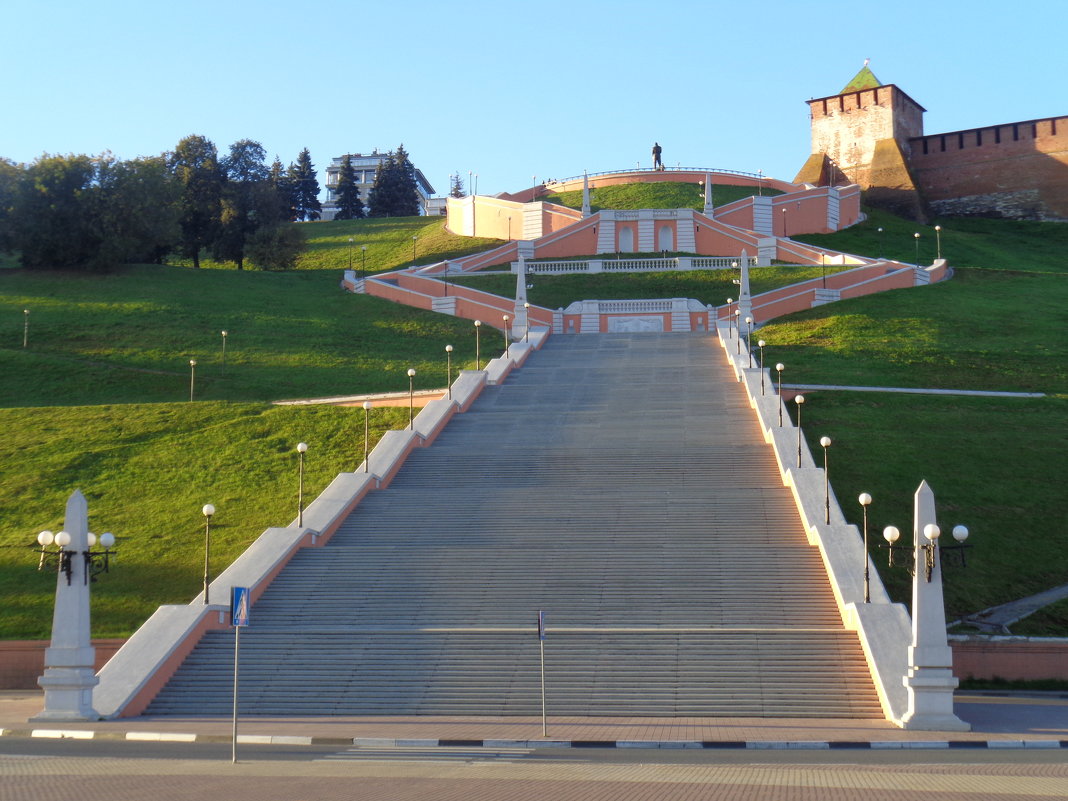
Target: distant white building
[[364, 166]]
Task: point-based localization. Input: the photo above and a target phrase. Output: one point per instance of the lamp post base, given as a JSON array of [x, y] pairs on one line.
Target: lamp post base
[[68, 695], [930, 704]]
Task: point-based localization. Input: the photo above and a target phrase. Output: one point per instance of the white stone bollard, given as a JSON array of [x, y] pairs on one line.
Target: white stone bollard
[[69, 676], [930, 681]]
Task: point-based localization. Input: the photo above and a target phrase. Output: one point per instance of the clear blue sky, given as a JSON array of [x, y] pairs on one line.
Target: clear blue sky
[[506, 89]]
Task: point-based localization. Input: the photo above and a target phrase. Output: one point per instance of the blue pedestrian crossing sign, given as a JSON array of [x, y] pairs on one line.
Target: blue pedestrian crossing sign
[[239, 606]]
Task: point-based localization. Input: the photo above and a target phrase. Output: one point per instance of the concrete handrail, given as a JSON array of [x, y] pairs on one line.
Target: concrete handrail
[[884, 628]]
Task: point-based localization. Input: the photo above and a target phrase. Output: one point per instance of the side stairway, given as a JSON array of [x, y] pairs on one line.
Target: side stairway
[[618, 483]]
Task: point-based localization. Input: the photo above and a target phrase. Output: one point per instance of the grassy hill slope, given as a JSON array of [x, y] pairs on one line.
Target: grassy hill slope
[[98, 400]]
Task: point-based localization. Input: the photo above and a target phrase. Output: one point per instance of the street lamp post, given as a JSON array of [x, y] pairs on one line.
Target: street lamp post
[[225, 334], [865, 502], [507, 333], [208, 510], [729, 301], [366, 434], [784, 221], [363, 269], [411, 397], [478, 354], [738, 327], [302, 448], [448, 368], [414, 240], [526, 331], [760, 344], [799, 400], [826, 443], [778, 370], [748, 339], [916, 237], [192, 377], [938, 241], [25, 327], [882, 254], [350, 254]]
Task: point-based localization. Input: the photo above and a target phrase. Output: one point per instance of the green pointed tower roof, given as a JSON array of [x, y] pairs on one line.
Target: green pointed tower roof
[[865, 79]]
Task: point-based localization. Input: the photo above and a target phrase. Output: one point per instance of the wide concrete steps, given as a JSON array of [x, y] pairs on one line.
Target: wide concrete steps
[[618, 483], [714, 673]]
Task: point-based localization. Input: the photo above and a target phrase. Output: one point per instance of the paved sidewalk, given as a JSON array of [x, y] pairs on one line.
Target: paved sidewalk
[[998, 721], [980, 393]]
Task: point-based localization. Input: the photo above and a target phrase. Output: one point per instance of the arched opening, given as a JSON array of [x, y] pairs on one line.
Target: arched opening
[[665, 238], [626, 240]]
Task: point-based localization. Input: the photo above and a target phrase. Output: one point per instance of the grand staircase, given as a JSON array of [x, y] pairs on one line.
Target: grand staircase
[[617, 482]]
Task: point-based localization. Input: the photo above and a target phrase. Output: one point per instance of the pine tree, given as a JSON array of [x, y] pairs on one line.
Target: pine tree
[[305, 188], [457, 186], [349, 205], [409, 203], [394, 193], [382, 197], [278, 179]]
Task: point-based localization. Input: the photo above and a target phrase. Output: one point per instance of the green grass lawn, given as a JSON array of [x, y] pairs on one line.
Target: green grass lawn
[[388, 241], [663, 195], [129, 336], [994, 465], [98, 401], [146, 470], [999, 244]]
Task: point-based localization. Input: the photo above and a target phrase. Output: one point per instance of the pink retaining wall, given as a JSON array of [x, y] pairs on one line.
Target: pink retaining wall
[[22, 661], [1010, 658]]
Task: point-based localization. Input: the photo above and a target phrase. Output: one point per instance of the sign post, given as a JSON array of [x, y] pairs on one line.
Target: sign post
[[239, 605], [541, 645]]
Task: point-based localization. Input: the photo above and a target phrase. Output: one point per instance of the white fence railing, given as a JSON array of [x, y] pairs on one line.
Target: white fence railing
[[610, 265]]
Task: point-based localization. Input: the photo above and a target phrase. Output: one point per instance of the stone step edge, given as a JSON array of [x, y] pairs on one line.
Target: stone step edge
[[386, 742]]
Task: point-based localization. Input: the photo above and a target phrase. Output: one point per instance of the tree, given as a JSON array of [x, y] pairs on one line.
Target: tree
[[279, 180], [276, 247], [409, 202], [195, 164], [135, 211], [305, 188], [394, 193], [10, 177], [50, 220], [349, 205], [456, 186], [248, 200]]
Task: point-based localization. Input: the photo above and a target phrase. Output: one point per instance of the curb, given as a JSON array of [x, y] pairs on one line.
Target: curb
[[386, 742]]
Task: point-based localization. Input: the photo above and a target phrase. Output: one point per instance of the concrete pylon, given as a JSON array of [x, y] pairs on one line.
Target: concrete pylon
[[930, 681], [709, 209], [585, 195], [519, 327], [745, 299], [69, 675]]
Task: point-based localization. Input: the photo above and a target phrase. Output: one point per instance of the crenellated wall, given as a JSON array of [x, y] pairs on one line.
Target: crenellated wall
[[1017, 170]]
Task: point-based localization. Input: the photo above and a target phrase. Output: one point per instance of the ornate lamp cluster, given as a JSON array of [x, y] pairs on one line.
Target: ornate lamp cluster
[[63, 558], [931, 532]]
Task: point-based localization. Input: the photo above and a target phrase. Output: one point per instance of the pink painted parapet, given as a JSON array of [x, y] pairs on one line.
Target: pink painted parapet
[[653, 177], [501, 218], [470, 304], [1010, 658], [865, 280]]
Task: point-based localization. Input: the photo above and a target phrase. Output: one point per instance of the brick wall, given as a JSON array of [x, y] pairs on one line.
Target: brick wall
[[1017, 170]]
